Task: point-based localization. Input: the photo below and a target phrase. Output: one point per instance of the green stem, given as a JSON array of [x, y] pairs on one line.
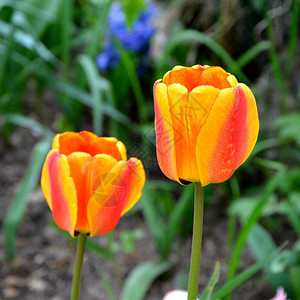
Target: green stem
[[197, 241], [78, 265]]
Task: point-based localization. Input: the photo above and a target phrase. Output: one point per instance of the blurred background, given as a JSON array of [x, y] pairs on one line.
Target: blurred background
[[91, 65]]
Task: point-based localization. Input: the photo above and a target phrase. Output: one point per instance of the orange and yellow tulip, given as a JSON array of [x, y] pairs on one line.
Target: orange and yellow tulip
[[206, 124], [88, 182]]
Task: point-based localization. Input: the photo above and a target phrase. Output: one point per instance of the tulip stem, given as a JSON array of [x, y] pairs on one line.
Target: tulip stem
[[78, 264], [196, 242]]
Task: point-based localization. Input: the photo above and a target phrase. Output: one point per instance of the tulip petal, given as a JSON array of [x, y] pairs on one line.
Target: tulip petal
[[55, 143], [136, 181], [110, 146], [216, 77], [109, 191], [60, 191], [198, 75], [252, 122], [223, 142], [188, 117], [69, 142], [80, 171], [187, 77], [164, 132]]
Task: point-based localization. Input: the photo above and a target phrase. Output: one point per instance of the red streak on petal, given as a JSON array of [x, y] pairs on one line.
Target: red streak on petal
[[60, 209], [232, 143]]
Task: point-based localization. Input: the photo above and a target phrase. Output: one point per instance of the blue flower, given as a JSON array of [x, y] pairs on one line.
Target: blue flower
[[135, 40], [109, 58]]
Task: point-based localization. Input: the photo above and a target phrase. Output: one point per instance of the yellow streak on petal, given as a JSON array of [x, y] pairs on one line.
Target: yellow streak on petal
[[122, 150], [55, 143], [136, 183], [232, 80]]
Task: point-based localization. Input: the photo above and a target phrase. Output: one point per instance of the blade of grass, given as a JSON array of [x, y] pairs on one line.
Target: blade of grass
[[228, 287], [65, 38], [278, 72], [20, 120], [108, 287], [232, 222], [293, 38], [18, 206], [98, 29], [153, 219], [206, 295], [80, 95], [176, 215], [293, 216], [249, 55], [252, 220], [92, 77], [134, 81], [26, 40], [39, 13]]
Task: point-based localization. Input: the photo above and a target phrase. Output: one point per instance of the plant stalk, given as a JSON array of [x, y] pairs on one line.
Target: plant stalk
[[78, 264], [196, 242]]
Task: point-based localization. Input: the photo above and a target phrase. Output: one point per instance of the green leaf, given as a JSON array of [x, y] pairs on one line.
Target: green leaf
[[18, 206], [130, 69], [80, 95], [212, 282], [20, 120], [26, 40], [229, 286], [261, 245], [40, 13], [174, 225], [92, 76], [140, 279], [294, 279], [249, 55], [153, 219], [252, 220], [288, 127], [132, 10]]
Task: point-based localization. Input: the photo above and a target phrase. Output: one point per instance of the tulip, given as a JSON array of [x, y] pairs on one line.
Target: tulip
[[206, 124], [88, 182]]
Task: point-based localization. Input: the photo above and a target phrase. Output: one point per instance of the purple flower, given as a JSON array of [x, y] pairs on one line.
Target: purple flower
[[136, 39], [280, 294], [109, 58]]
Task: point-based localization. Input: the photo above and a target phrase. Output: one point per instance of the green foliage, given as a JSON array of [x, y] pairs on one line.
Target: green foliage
[[140, 278], [288, 127], [283, 270], [207, 294], [18, 205], [132, 9], [249, 223], [158, 218], [229, 286]]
